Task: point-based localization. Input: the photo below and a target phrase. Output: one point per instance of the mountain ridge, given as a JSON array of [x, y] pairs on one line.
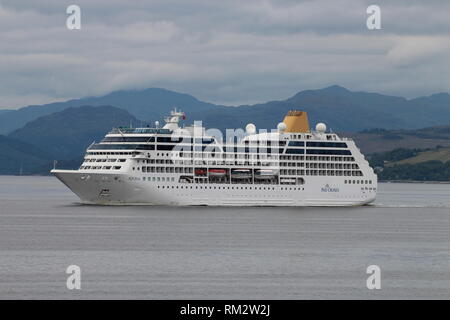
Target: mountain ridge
[[339, 107], [66, 134], [166, 99]]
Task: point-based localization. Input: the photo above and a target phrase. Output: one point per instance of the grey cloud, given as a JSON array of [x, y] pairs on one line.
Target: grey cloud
[[228, 52]]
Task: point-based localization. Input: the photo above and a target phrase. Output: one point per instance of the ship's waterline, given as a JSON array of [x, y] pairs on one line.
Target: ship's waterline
[[173, 165]]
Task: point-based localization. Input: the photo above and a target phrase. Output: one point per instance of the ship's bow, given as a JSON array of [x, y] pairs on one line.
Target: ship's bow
[[91, 187]]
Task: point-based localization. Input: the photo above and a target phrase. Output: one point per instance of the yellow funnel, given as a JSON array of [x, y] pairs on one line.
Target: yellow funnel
[[296, 121]]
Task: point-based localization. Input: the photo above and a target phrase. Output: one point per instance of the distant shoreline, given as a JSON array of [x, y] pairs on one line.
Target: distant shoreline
[[414, 181]]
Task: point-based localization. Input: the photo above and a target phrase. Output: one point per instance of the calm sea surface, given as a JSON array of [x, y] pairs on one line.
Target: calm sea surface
[[222, 253]]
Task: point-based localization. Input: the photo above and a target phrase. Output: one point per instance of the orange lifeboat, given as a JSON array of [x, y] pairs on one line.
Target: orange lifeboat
[[217, 172], [200, 172]]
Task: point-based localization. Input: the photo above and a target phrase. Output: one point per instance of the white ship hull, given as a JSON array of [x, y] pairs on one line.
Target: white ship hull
[[125, 189], [185, 166]]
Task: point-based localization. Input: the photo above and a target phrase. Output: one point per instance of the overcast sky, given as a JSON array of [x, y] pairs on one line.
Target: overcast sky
[[228, 51]]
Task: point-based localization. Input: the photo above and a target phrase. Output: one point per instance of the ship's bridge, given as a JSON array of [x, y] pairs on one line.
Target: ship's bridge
[[265, 136]]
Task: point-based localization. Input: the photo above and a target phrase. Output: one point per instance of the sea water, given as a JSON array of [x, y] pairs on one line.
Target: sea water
[[153, 252]]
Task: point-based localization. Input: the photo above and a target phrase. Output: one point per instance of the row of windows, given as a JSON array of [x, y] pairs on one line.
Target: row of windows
[[282, 171], [226, 180], [172, 179], [262, 157], [100, 167], [295, 151], [334, 152], [263, 143], [167, 169], [213, 149], [188, 140], [326, 144], [185, 140], [320, 165], [104, 160], [296, 144], [206, 155], [358, 181], [317, 144], [123, 130], [255, 163], [299, 158], [129, 139], [211, 162], [210, 140], [148, 139], [109, 153], [309, 136], [325, 158], [230, 188], [199, 162], [239, 156], [98, 146], [160, 179], [321, 172], [271, 157], [183, 148]]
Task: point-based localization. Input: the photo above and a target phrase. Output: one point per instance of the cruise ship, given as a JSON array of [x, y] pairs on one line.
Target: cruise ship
[[177, 165]]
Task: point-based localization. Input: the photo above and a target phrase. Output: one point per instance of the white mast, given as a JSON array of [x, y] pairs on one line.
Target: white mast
[[172, 121]]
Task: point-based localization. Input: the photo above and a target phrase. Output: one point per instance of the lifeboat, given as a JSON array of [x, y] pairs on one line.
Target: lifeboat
[[265, 174], [241, 173], [217, 172], [200, 172]]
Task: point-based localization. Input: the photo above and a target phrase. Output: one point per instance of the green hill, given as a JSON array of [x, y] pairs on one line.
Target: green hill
[[19, 157], [439, 154], [433, 170], [382, 140], [412, 164]]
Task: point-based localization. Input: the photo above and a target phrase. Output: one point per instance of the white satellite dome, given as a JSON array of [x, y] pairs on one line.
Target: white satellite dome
[[321, 127], [250, 128], [281, 127], [156, 124]]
